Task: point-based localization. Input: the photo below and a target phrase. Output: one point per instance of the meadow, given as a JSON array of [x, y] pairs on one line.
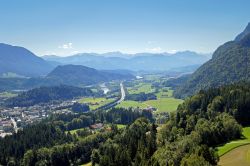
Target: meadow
[[164, 104], [236, 143], [95, 103], [237, 156], [165, 101], [139, 88]]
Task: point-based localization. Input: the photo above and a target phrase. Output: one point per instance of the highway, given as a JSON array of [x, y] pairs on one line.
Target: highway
[[123, 94], [112, 104]]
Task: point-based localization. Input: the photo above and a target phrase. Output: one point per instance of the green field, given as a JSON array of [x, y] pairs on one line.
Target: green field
[[7, 95], [130, 103], [164, 104], [120, 126], [164, 93], [95, 103], [74, 131], [87, 164], [237, 156], [236, 143], [141, 87]]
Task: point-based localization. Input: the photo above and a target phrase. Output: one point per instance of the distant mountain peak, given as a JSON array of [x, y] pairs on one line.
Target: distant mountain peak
[[244, 33]]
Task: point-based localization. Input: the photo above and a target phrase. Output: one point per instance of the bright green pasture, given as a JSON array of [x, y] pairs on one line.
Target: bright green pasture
[[95, 103], [130, 103], [141, 87], [164, 104]]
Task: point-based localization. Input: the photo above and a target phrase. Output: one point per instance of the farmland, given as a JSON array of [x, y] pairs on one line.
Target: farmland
[[164, 104], [95, 103], [236, 143], [130, 103], [141, 87], [238, 156], [165, 101]]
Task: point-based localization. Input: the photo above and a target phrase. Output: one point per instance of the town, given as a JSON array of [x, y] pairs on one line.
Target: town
[[13, 119]]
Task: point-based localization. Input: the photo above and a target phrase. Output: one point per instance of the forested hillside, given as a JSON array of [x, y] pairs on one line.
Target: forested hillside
[[21, 61], [183, 140], [47, 94], [230, 63], [50, 142], [82, 75]]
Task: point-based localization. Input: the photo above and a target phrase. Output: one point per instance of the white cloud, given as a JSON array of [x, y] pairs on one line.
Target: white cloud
[[172, 51], [155, 49], [66, 46]]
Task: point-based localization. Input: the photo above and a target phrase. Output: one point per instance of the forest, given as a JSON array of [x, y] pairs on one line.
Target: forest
[[47, 94], [217, 114]]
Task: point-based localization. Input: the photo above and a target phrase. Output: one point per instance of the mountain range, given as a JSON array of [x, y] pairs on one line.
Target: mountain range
[[135, 62], [230, 63], [19, 61]]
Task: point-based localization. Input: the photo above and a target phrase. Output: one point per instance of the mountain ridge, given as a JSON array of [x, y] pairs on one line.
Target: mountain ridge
[[230, 63], [78, 74], [135, 62], [21, 61]]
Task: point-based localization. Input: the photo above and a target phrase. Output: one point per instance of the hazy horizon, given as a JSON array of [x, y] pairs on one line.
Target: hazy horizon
[[66, 27]]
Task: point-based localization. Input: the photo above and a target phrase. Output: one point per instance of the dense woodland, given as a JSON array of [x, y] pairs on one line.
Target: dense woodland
[[47, 94], [216, 114], [51, 139], [189, 137]]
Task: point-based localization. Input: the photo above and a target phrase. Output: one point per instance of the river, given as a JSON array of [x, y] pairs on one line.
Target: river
[[104, 88]]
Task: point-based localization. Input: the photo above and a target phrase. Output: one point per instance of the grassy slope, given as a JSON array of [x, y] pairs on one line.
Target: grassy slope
[[236, 143], [236, 157]]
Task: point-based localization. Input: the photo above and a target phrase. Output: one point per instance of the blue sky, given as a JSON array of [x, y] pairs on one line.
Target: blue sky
[[65, 27]]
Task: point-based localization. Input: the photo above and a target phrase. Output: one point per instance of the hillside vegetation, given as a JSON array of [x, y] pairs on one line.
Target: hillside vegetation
[[20, 61], [47, 94], [230, 63], [82, 75], [183, 140]]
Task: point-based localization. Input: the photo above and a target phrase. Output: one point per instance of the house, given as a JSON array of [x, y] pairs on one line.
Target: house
[[96, 126]]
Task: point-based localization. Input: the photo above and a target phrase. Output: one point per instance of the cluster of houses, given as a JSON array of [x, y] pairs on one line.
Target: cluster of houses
[[13, 119]]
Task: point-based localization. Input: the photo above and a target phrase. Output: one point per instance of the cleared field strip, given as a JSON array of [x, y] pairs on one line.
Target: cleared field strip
[[95, 103], [239, 156], [222, 150]]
